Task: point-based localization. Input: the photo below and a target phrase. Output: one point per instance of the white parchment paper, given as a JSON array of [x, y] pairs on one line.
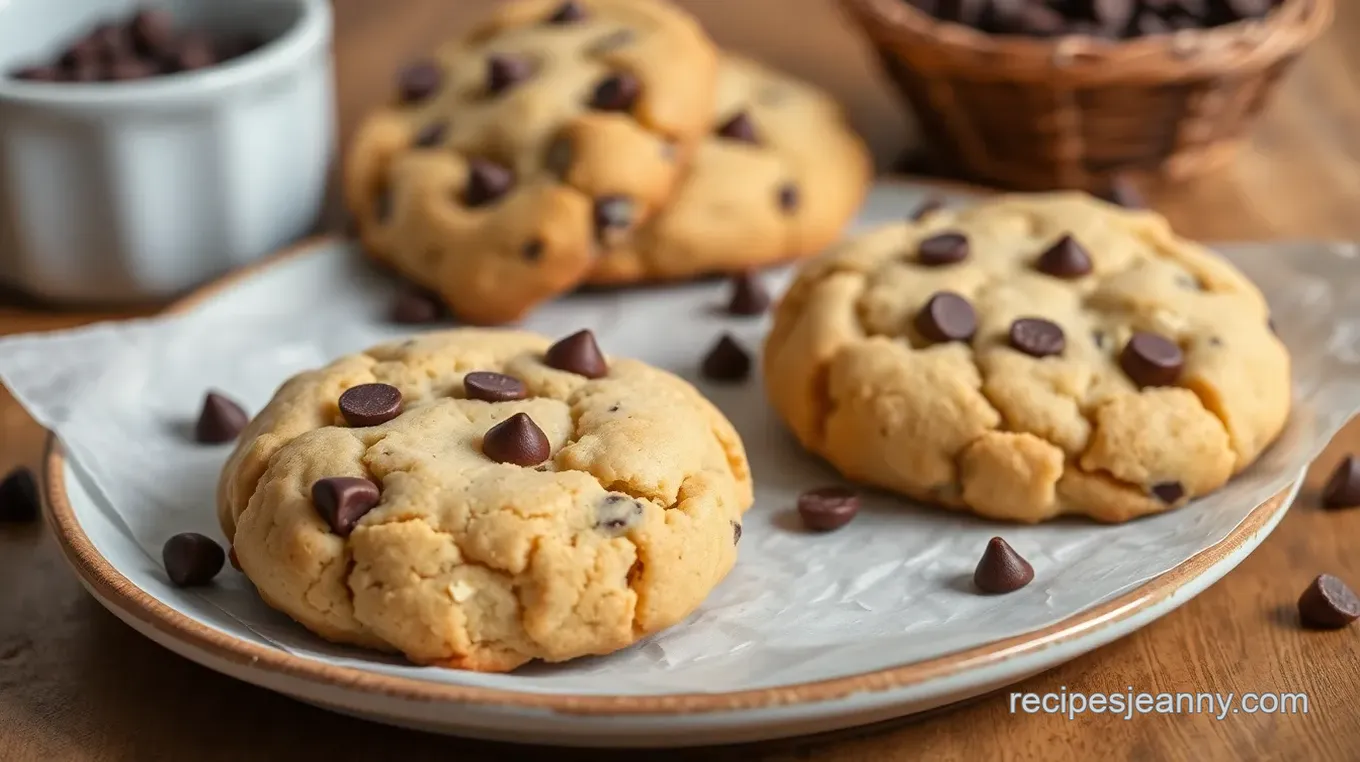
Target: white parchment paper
[[891, 588]]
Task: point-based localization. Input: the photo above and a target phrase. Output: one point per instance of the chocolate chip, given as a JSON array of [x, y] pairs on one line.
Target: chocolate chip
[[740, 128], [927, 207], [789, 198], [1343, 486], [942, 249], [416, 306], [418, 81], [153, 31], [220, 420], [431, 135], [946, 317], [579, 354], [749, 296], [1037, 337], [516, 440], [617, 92], [726, 361], [504, 72], [532, 249], [192, 52], [1064, 259], [486, 182], [191, 559], [19, 501], [826, 508], [616, 513], [1168, 492], [736, 533], [129, 69], [1328, 603], [1123, 192], [1001, 569], [493, 387], [343, 500], [612, 216], [567, 13], [370, 404], [1151, 360]]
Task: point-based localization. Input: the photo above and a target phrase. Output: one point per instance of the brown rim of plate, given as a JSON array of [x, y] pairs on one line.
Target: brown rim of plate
[[136, 603]]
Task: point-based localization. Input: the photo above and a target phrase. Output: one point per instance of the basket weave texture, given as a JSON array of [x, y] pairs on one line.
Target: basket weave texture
[[1077, 112]]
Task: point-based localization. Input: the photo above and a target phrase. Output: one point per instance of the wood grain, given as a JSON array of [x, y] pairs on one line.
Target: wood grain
[[76, 684]]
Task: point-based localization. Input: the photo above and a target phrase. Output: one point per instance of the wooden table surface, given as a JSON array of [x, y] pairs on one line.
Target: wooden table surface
[[77, 684]]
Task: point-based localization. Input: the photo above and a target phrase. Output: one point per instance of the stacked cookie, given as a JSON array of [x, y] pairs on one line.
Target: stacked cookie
[[595, 141]]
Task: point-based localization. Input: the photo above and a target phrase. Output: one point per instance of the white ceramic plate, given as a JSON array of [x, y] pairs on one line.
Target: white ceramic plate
[[894, 653]]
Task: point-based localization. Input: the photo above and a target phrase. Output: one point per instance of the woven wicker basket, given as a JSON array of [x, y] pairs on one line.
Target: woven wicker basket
[[1075, 112]]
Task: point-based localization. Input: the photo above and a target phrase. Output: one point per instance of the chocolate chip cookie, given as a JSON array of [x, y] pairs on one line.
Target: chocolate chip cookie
[[478, 499], [779, 176], [1028, 357], [511, 155]]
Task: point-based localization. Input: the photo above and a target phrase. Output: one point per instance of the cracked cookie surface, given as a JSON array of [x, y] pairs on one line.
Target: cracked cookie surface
[[512, 153], [459, 560], [1028, 357]]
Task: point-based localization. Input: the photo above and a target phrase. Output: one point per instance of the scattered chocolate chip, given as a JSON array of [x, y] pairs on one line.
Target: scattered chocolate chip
[[493, 387], [516, 440], [789, 198], [431, 134], [486, 182], [343, 500], [1037, 337], [1001, 569], [1328, 603], [927, 207], [736, 533], [220, 420], [579, 354], [739, 128], [532, 249], [1151, 360], [826, 508], [726, 361], [504, 72], [942, 249], [1123, 192], [191, 559], [1064, 259], [616, 513], [19, 501], [617, 92], [416, 306], [749, 296], [370, 404], [946, 317], [418, 81], [1168, 492], [612, 216], [153, 31], [192, 52], [232, 559], [1343, 486], [567, 13]]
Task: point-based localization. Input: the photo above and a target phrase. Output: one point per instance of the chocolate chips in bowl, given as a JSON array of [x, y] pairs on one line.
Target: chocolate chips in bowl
[[146, 44], [1112, 19]]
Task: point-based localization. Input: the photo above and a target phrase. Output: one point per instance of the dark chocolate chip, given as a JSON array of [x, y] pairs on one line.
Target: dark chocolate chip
[[1151, 360], [532, 249], [1168, 492], [568, 12], [740, 128], [1064, 259], [612, 216], [942, 249], [418, 81], [86, 50], [516, 440], [153, 31], [617, 92], [826, 508], [579, 354], [431, 134], [192, 52], [726, 361], [927, 207], [1328, 603], [129, 69], [1343, 486], [616, 513], [504, 72], [1123, 192], [343, 500], [370, 404], [749, 296], [486, 182], [493, 387], [220, 420], [789, 198], [1001, 569], [19, 501], [946, 317], [736, 533], [191, 559], [1037, 337], [417, 306]]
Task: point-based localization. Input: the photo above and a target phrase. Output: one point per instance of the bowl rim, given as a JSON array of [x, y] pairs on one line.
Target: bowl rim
[[280, 54]]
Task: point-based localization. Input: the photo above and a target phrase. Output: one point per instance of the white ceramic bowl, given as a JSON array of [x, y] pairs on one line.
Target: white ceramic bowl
[[136, 191]]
